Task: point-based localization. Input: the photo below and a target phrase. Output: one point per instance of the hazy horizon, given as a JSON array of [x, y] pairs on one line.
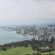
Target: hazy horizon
[[19, 12]]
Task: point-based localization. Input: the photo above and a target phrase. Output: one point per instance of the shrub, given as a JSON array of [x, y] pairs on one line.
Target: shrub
[[27, 54], [36, 53], [4, 49]]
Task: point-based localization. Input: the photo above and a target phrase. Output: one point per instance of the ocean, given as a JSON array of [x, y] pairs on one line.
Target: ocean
[[12, 36]]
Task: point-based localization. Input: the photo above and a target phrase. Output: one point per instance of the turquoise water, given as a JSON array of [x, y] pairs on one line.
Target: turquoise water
[[12, 36]]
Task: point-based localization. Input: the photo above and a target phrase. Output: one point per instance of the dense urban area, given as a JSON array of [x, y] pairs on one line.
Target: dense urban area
[[43, 39], [42, 32]]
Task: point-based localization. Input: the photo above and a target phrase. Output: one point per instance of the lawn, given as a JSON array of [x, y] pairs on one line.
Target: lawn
[[17, 51], [20, 51]]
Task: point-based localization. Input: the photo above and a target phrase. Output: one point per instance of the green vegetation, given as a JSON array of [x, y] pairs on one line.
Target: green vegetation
[[32, 47], [17, 51], [22, 51]]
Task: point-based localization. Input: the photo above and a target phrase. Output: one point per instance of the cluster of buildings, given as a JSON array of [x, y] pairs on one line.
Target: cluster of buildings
[[46, 32], [31, 30], [39, 32]]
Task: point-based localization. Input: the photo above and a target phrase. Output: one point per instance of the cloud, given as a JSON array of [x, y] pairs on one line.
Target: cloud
[[26, 11]]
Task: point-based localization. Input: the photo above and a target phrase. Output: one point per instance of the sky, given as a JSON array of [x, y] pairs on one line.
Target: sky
[[19, 12]]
